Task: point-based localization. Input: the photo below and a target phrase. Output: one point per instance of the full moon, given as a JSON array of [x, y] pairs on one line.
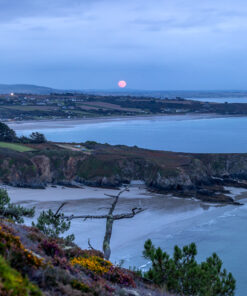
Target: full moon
[[122, 84]]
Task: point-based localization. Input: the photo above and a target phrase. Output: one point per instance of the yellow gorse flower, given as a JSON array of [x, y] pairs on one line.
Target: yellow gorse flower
[[94, 263]]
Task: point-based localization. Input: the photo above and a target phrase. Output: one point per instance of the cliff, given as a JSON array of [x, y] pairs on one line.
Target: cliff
[[189, 175]]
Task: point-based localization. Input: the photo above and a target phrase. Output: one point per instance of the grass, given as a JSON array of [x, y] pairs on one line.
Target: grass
[[15, 147]]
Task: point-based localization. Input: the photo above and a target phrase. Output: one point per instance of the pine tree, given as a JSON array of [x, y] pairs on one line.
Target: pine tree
[[11, 211], [181, 274]]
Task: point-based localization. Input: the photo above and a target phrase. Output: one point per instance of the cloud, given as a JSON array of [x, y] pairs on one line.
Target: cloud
[[18, 9], [52, 39]]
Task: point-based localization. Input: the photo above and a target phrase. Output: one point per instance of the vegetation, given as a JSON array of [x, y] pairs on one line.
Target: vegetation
[[37, 138], [15, 147], [36, 259], [12, 211], [94, 263], [13, 284], [6, 133], [8, 136], [181, 274], [53, 224]]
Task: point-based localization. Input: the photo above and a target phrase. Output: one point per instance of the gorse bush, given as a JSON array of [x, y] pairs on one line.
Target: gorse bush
[[11, 211], [13, 283], [94, 263], [53, 224], [181, 274]]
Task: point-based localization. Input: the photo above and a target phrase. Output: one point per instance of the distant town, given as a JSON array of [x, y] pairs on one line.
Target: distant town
[[18, 107]]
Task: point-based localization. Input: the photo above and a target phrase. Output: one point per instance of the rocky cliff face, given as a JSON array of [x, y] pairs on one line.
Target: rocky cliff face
[[198, 175]]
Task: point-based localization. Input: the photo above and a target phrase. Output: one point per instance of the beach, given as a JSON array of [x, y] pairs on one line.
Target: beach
[[167, 220], [70, 123]]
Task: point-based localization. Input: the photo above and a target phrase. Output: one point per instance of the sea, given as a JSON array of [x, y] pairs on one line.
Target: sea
[[220, 229]]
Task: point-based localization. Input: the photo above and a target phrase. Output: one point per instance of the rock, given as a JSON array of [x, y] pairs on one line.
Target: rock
[[129, 292]]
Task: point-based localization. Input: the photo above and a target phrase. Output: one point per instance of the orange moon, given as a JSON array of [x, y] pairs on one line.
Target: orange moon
[[122, 84]]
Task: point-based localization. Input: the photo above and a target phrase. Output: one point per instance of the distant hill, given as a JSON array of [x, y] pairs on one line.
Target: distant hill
[[26, 88], [43, 90]]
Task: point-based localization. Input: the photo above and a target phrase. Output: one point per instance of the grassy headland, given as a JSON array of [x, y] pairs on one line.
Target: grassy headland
[[202, 176]]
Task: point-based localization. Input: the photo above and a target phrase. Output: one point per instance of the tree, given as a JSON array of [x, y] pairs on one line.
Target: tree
[[37, 138], [54, 224], [182, 275], [110, 218], [11, 211], [7, 134]]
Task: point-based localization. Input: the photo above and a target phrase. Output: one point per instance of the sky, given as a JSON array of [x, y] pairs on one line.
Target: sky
[[153, 45]]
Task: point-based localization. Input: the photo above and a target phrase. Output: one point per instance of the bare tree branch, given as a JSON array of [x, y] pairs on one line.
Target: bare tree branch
[[85, 217], [60, 208], [116, 201], [90, 246], [128, 215], [110, 218]]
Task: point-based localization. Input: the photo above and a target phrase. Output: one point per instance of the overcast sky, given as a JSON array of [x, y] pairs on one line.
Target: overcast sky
[[152, 44]]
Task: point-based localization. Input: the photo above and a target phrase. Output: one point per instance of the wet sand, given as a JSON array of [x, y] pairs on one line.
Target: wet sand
[[69, 123]]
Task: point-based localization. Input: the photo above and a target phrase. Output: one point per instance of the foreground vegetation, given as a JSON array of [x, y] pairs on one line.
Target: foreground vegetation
[[35, 261]]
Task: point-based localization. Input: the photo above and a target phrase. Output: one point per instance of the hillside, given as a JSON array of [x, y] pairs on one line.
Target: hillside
[[32, 264], [202, 176]]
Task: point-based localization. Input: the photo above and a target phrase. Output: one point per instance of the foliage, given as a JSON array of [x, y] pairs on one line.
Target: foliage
[[80, 286], [13, 284], [94, 263], [15, 253], [12, 211], [117, 275], [51, 248], [6, 133], [53, 224], [37, 138], [181, 274], [15, 147]]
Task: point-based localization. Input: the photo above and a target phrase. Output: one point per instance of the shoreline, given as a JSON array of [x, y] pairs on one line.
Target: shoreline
[[68, 123], [66, 194]]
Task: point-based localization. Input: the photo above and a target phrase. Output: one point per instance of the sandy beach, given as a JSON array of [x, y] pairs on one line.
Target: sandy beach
[[69, 123]]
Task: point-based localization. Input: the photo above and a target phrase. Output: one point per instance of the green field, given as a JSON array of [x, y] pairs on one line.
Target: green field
[[16, 147]]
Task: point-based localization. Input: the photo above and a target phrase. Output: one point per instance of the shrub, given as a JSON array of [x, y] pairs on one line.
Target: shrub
[[12, 283], [53, 224], [117, 275], [37, 138], [14, 252], [7, 134], [94, 263], [181, 274], [51, 248], [12, 211], [80, 286]]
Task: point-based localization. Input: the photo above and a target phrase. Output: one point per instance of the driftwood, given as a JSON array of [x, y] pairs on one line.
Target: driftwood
[[110, 218]]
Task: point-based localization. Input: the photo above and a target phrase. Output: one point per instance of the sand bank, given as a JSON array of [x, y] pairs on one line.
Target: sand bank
[[69, 123]]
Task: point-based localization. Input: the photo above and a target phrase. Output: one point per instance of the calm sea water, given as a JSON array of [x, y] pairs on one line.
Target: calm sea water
[[223, 135], [222, 100]]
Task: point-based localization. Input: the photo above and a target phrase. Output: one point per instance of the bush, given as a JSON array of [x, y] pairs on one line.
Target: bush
[[15, 253], [94, 263], [12, 283], [181, 274], [12, 211], [7, 134], [53, 224], [37, 138]]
